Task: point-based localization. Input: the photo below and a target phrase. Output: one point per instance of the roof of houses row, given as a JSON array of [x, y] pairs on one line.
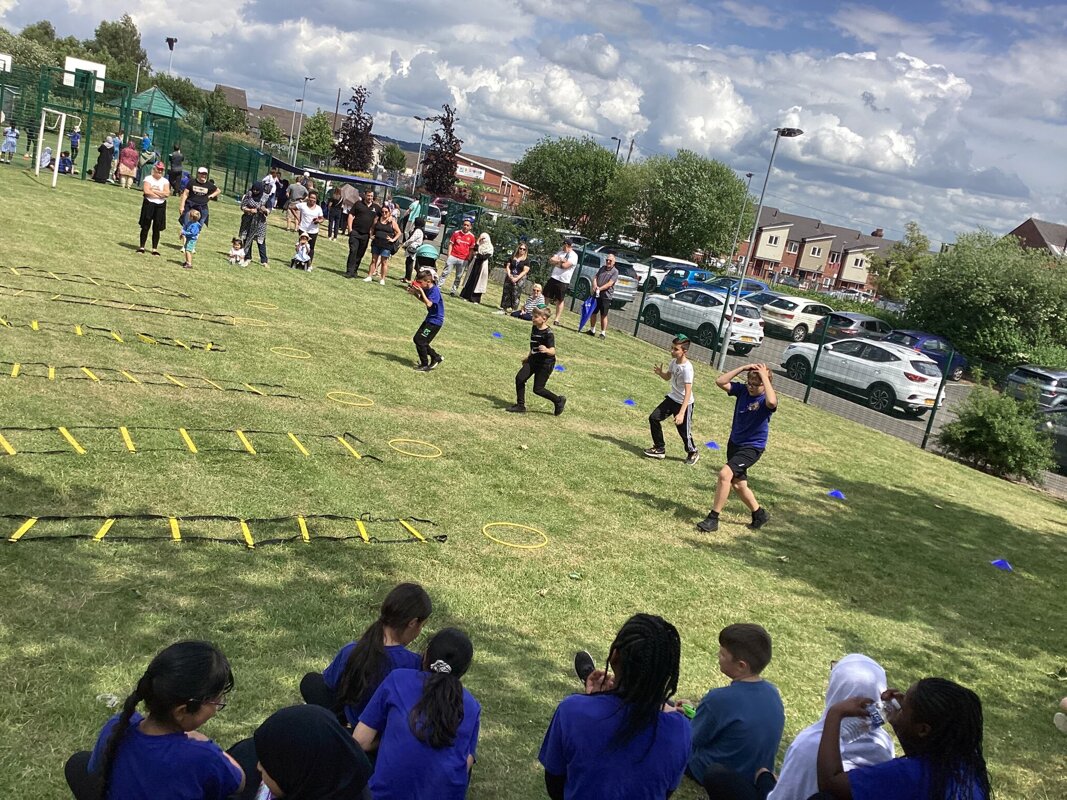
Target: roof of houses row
[[808, 229]]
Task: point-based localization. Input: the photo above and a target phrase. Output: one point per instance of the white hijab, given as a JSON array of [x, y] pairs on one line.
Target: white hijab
[[854, 675]]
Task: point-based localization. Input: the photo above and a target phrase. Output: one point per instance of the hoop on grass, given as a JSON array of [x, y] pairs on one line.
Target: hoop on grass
[[490, 537], [394, 442], [343, 398], [261, 305], [291, 352]]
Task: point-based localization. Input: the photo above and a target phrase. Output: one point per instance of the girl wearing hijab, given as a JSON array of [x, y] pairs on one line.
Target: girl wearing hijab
[[46, 158], [102, 170], [255, 208], [854, 675], [478, 274], [128, 165]]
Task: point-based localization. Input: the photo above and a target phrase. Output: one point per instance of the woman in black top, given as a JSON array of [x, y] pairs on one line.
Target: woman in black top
[[102, 170], [334, 213], [518, 266], [386, 236]]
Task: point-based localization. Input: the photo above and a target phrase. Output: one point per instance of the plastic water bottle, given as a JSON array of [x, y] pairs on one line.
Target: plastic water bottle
[[878, 714]]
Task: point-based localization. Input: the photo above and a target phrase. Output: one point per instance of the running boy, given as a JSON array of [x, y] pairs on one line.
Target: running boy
[[190, 233], [426, 289], [539, 362], [754, 402], [678, 404]]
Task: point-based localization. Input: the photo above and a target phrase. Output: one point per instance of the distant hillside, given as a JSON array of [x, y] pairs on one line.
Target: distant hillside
[[411, 147]]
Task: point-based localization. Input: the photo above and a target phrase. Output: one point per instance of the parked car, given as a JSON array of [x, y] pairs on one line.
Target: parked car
[[700, 312], [1047, 383], [625, 286], [683, 278], [1055, 421], [433, 222], [851, 294], [760, 299], [850, 325], [936, 347], [402, 201], [886, 375], [658, 267], [576, 239], [788, 280], [794, 317], [729, 286]]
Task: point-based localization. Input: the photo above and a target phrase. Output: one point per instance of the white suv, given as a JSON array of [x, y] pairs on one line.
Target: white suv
[[887, 375], [700, 312], [794, 316]]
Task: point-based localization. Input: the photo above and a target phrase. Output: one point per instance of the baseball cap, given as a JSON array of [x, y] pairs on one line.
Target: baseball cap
[[159, 165], [202, 169]]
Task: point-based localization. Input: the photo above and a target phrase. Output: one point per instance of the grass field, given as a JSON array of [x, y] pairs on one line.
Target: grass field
[[900, 570]]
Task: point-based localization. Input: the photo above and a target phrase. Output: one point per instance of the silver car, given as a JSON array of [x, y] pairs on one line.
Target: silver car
[[433, 222], [1047, 383], [625, 286]]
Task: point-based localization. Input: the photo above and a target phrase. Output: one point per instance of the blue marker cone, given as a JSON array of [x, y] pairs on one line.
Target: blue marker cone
[[1002, 563], [629, 402], [559, 368], [712, 445], [498, 335], [836, 494]]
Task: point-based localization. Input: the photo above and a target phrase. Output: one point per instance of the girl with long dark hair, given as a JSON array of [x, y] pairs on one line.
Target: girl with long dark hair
[[622, 738], [424, 726], [350, 680], [162, 756], [939, 725]]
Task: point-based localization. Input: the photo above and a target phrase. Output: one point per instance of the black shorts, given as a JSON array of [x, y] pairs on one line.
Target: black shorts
[[739, 459], [555, 290], [603, 305]]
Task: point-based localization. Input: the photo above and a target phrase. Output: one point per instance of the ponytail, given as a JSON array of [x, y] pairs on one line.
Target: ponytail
[[436, 718], [367, 665], [117, 733]]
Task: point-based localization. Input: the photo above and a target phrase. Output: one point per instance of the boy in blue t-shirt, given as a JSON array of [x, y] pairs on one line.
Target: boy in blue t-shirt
[[190, 233], [737, 728], [754, 402], [426, 289]]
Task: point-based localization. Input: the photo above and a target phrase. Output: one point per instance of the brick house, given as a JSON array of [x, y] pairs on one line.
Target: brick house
[[501, 190], [1036, 234]]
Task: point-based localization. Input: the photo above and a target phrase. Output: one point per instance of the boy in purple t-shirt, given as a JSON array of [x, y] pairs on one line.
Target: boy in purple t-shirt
[[753, 405]]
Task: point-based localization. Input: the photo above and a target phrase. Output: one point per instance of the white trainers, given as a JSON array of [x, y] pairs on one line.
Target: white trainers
[[368, 279], [500, 313], [603, 335], [381, 282]]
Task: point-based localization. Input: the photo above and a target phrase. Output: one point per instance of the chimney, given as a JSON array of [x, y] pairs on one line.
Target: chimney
[[878, 233]]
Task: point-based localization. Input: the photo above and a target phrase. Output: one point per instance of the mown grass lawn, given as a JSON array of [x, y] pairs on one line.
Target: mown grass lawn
[[900, 570]]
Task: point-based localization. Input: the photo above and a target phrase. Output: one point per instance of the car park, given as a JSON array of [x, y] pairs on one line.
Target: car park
[[936, 347], [794, 317], [760, 299], [433, 222], [1054, 420], [680, 278], [1048, 385], [700, 313], [729, 286], [887, 376], [658, 266], [625, 286], [625, 252], [856, 295], [850, 325]]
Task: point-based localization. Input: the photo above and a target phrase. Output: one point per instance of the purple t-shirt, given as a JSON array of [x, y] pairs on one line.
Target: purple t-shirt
[[398, 657], [752, 418], [899, 779]]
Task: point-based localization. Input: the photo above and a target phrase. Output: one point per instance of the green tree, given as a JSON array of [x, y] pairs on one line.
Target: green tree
[[219, 115], [43, 32], [894, 270], [393, 158], [572, 176], [317, 136], [440, 162], [689, 203], [119, 43], [26, 52], [182, 91], [994, 299], [354, 149], [270, 132]]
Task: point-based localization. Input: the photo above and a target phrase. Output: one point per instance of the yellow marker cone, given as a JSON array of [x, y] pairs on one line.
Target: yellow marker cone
[[413, 532], [303, 529], [245, 442], [127, 440], [248, 535], [72, 441], [362, 531], [348, 447], [100, 534], [175, 531], [188, 441], [299, 445], [22, 529], [4, 443]]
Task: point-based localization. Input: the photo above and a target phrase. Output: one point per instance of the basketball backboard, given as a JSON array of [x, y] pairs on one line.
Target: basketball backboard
[[73, 65]]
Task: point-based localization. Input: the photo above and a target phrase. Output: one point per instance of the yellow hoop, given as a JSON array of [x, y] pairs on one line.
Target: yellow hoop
[[290, 352], [251, 322], [338, 397], [490, 537], [393, 444], [262, 305]]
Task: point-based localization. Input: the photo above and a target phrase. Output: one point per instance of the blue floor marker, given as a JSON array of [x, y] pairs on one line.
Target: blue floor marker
[[498, 335], [837, 494], [712, 445], [559, 368], [629, 402], [1002, 563]]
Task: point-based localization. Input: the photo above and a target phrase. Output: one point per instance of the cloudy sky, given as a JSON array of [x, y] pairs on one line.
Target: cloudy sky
[[949, 112]]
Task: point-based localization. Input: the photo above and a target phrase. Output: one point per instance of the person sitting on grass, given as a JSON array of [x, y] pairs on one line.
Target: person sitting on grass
[[302, 255], [535, 300], [677, 405], [737, 728], [939, 725], [360, 666], [190, 233], [163, 756], [425, 288], [237, 251], [622, 738], [424, 725], [754, 402], [66, 165], [539, 362]]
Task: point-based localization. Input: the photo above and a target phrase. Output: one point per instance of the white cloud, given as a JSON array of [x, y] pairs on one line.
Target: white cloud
[[755, 16]]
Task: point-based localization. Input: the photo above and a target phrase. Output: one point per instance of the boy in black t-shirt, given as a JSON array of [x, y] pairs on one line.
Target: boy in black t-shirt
[[538, 362]]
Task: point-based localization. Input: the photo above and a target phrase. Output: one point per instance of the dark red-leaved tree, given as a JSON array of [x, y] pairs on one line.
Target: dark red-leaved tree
[[439, 170], [354, 150]]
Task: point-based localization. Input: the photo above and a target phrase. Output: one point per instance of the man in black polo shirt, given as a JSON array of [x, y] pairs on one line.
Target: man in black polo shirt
[[361, 219], [197, 195]]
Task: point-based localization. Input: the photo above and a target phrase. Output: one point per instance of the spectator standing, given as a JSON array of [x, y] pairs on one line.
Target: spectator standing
[[155, 190], [128, 165], [270, 186], [335, 213], [176, 160], [197, 195], [75, 142], [361, 218], [563, 264], [102, 170], [411, 246], [478, 274], [603, 290], [296, 192], [460, 245], [10, 144], [254, 212], [281, 194], [515, 271], [386, 237]]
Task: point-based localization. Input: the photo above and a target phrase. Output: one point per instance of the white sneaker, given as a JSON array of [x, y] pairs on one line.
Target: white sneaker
[[368, 279], [603, 335], [500, 313], [381, 282]]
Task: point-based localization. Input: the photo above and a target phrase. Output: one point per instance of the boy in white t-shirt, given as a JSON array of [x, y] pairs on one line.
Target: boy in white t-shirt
[[678, 404]]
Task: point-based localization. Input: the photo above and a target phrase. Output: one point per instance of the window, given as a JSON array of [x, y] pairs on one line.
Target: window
[[782, 303], [591, 260], [835, 257], [686, 297], [872, 353], [772, 240], [816, 251], [857, 261], [793, 247], [848, 348], [826, 282]]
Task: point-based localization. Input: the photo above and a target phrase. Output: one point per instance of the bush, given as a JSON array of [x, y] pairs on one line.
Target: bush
[[1000, 435]]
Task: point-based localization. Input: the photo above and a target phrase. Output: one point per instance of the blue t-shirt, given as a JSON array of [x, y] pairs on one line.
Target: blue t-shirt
[[580, 745], [752, 418], [168, 767], [191, 230], [397, 656], [739, 727], [435, 314], [407, 769], [897, 779]]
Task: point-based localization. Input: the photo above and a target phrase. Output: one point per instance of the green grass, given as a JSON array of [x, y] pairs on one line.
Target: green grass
[[900, 571]]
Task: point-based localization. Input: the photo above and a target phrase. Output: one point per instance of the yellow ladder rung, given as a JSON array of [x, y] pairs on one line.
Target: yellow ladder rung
[[254, 389], [247, 533], [128, 376], [412, 531], [100, 534], [348, 447], [15, 370], [303, 529], [34, 325], [183, 344], [71, 440], [147, 339], [51, 373], [208, 380], [208, 346], [245, 442], [175, 531], [127, 440], [188, 441], [299, 445], [78, 330], [4, 443], [22, 529], [175, 381], [362, 531], [116, 337], [89, 372]]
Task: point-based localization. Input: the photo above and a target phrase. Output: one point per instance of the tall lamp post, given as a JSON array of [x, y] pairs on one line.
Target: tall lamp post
[[724, 345], [618, 145], [292, 128], [418, 160], [300, 127]]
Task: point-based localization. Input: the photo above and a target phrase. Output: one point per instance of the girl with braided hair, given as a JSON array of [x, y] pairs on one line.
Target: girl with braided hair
[[163, 756], [622, 738], [424, 725], [939, 725], [351, 678]]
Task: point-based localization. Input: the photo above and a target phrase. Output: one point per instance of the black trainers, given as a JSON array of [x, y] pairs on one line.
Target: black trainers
[[709, 524], [656, 452], [692, 458], [560, 403], [423, 368], [516, 409], [759, 518], [434, 363], [591, 332], [583, 665]]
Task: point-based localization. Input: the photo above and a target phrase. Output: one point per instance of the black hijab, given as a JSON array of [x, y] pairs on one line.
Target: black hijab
[[310, 756]]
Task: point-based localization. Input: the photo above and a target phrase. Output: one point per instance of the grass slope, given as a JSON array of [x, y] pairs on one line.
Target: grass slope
[[899, 571]]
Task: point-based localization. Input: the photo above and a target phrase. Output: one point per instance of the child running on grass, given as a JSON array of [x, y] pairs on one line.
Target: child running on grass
[[190, 233], [755, 401], [538, 362], [426, 289], [678, 404]]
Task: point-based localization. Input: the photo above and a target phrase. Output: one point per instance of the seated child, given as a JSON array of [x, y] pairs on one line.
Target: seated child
[[737, 728], [66, 165], [535, 300], [237, 252], [302, 256]]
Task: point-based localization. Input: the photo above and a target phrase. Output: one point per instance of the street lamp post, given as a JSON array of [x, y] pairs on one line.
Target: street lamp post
[[618, 145], [724, 345], [292, 126], [418, 160], [300, 127]]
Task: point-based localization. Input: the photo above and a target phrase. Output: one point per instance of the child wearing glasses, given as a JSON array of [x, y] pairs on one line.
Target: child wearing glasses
[[677, 405], [163, 755]]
